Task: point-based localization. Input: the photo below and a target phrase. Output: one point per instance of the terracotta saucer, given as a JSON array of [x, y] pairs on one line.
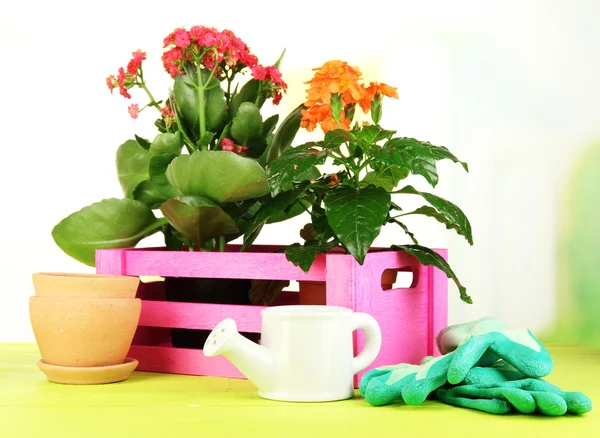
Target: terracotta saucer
[[88, 375]]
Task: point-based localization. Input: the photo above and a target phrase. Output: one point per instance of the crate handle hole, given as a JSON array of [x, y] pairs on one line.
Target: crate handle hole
[[403, 278]]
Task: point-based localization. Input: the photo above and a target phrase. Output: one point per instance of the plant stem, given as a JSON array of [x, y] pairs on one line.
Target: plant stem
[[222, 243], [153, 103], [201, 114]]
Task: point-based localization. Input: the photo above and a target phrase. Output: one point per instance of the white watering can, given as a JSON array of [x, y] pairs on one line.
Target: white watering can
[[306, 352]]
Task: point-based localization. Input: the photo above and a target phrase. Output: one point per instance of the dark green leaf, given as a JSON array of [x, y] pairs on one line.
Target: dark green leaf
[[198, 219], [387, 179], [248, 93], [371, 134], [157, 170], [186, 100], [336, 137], [110, 223], [356, 216], [269, 125], [218, 175], [284, 136], [146, 193], [142, 142], [247, 124], [284, 170], [295, 209], [215, 107], [429, 257], [276, 206], [420, 157], [206, 139], [174, 240], [303, 256], [132, 166], [406, 230], [408, 153], [166, 144], [249, 238], [445, 212]]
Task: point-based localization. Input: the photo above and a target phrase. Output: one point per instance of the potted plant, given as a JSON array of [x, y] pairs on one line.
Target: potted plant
[[84, 326], [350, 205], [203, 173]]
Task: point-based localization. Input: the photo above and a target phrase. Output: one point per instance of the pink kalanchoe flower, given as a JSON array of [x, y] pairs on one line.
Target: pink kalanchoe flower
[[136, 62], [259, 72], [241, 150], [172, 61], [111, 83], [182, 38], [121, 81], [227, 145], [206, 37], [134, 110]]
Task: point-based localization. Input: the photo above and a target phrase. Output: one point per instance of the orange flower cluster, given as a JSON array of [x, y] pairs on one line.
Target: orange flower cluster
[[337, 77]]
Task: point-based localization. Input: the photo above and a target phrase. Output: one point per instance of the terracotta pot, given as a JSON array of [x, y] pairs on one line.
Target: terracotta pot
[[84, 332], [59, 284], [313, 292]]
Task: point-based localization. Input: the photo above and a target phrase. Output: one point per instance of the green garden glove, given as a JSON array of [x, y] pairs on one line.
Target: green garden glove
[[503, 390], [414, 383]]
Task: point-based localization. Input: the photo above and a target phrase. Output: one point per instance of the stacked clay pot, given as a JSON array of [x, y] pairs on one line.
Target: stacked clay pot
[[84, 326]]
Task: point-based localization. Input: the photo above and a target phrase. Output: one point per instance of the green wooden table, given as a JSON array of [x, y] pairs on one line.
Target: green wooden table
[[163, 405]]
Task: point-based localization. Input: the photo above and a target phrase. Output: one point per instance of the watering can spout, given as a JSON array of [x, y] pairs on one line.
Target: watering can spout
[[254, 361]]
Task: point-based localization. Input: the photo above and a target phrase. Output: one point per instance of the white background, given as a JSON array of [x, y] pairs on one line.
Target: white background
[[510, 87]]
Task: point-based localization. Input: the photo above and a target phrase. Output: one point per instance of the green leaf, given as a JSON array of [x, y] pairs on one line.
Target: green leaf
[[132, 166], [166, 144], [157, 170], [320, 224], [284, 170], [110, 223], [303, 256], [142, 142], [276, 206], [445, 212], [215, 106], [371, 134], [336, 137], [218, 175], [198, 219], [206, 139], [387, 179], [429, 257], [420, 157], [406, 230], [269, 125], [174, 240], [248, 93], [186, 100], [297, 208], [356, 216], [146, 193], [284, 136], [410, 154], [247, 124]]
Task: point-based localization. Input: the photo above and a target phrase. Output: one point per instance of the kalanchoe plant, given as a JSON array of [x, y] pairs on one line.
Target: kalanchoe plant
[[205, 168], [351, 205]]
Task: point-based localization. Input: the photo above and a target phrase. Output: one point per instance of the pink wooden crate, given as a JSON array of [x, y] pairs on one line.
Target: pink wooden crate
[[409, 317]]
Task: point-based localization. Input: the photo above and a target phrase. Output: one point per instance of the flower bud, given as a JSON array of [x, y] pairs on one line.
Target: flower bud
[[376, 109], [336, 106]]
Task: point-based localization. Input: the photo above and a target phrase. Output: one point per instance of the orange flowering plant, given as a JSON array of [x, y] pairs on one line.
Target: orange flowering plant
[[204, 169], [349, 206]]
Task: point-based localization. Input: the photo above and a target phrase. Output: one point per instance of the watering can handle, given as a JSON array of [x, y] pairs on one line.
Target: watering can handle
[[370, 328]]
